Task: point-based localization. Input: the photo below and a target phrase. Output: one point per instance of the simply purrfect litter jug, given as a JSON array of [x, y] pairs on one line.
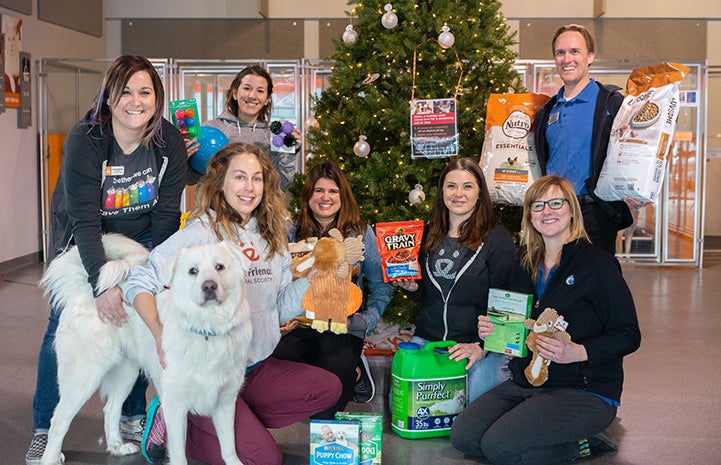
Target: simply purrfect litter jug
[[428, 390]]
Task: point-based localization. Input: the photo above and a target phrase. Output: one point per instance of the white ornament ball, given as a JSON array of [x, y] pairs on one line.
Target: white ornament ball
[[362, 148], [389, 20], [446, 38], [311, 123], [349, 36], [417, 195]]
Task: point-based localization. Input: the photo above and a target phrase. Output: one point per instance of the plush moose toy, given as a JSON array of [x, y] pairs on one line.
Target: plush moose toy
[[332, 296], [549, 324]]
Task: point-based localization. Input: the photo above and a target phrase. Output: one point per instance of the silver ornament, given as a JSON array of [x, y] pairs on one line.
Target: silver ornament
[[362, 148], [389, 20], [446, 38], [417, 195], [349, 36]]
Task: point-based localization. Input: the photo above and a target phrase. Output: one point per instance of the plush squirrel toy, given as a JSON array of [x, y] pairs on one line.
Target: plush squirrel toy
[[549, 324], [332, 296]]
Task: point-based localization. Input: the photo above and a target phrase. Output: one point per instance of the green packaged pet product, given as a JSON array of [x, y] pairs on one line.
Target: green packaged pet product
[[428, 390], [508, 312], [371, 434]]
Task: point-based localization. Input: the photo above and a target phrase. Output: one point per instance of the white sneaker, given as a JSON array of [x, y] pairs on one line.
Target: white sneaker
[[132, 430]]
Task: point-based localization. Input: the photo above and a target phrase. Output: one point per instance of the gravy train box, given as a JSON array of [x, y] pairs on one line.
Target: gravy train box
[[334, 442], [508, 312], [371, 434]]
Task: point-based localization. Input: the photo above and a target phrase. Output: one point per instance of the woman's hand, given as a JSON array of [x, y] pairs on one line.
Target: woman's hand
[[558, 352], [472, 351], [485, 327], [298, 138], [192, 146], [287, 327], [409, 285], [110, 306]]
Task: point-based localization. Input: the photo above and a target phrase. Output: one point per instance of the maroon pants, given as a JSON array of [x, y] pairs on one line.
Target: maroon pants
[[277, 393]]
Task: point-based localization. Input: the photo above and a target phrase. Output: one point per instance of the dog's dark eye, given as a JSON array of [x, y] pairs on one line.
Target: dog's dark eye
[[193, 271], [219, 267]]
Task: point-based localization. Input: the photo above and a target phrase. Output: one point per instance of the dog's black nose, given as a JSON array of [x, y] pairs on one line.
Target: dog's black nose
[[209, 288]]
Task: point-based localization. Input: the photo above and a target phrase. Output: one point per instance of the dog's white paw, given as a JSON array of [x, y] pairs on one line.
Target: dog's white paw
[[122, 449]]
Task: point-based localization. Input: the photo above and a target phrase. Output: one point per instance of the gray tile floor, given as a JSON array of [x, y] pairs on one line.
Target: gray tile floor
[[671, 404]]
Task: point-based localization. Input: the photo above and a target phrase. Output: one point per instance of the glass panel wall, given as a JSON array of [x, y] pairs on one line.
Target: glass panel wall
[[668, 232]]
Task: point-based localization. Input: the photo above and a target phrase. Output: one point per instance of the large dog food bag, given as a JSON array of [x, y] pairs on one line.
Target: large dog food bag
[[508, 157], [642, 134]]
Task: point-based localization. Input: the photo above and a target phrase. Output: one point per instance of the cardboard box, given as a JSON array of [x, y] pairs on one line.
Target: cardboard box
[[334, 442], [508, 312], [371, 435]]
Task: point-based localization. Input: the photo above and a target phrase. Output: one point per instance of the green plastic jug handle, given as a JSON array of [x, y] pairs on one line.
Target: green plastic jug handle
[[441, 344]]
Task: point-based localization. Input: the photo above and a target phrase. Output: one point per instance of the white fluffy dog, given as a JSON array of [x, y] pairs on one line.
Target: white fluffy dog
[[206, 336]]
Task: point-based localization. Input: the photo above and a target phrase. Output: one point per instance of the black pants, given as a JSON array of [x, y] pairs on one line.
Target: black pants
[[511, 424], [337, 353]]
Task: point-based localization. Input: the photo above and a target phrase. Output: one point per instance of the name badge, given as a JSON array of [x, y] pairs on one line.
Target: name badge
[[554, 118], [114, 170]]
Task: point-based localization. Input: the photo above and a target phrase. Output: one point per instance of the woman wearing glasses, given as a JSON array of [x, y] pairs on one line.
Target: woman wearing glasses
[[585, 377], [463, 254]]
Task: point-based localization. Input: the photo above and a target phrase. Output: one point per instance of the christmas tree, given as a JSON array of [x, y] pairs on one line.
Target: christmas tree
[[393, 53]]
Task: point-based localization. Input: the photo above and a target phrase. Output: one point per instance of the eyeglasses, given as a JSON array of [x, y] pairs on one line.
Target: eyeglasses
[[553, 204]]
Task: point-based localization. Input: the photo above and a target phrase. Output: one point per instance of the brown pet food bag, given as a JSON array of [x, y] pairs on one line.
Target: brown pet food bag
[[399, 244], [508, 158]]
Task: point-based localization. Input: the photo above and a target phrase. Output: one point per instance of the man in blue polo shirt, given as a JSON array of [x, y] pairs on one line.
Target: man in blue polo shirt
[[572, 131]]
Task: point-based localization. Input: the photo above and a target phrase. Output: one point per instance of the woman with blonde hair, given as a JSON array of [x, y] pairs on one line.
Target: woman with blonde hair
[[579, 399], [239, 199]]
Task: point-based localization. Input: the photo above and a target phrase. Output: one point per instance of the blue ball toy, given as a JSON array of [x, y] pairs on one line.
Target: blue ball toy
[[211, 140]]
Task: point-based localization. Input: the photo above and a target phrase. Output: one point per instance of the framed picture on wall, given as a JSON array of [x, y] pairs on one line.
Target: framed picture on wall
[[25, 91], [12, 30]]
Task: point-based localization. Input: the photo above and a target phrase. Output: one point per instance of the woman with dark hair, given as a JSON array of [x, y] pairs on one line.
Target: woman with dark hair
[[246, 118], [580, 398], [239, 199], [464, 253], [123, 171], [326, 203]]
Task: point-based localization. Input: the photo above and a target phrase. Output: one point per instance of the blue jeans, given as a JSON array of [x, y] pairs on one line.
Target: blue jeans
[[485, 374], [46, 390]]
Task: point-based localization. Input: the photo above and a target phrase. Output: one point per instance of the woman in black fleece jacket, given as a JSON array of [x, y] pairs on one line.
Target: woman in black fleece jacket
[[522, 424], [123, 171]]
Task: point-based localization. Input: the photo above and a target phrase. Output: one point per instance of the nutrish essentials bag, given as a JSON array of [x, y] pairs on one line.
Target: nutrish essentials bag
[[642, 134], [508, 158]]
